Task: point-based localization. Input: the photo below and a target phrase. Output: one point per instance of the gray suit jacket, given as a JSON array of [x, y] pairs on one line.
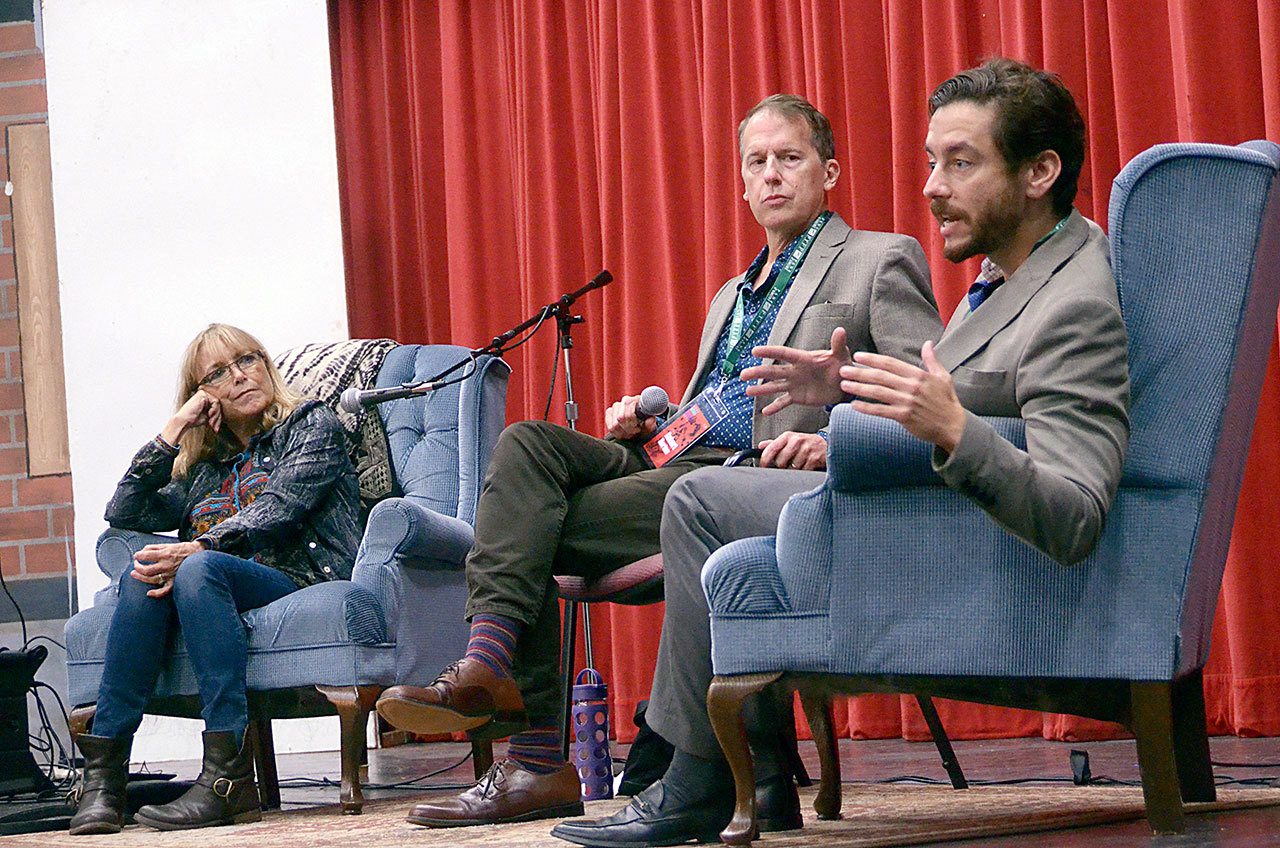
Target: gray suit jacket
[[1049, 346], [875, 285]]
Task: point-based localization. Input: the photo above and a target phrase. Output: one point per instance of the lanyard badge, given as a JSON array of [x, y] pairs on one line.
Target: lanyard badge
[[708, 409], [687, 427]]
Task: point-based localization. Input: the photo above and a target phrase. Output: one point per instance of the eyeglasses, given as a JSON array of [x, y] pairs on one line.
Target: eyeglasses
[[222, 373]]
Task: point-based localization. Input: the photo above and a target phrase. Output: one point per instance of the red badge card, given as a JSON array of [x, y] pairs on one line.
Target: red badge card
[[689, 425]]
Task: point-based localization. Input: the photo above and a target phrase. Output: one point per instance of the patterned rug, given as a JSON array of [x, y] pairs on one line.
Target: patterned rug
[[875, 817]]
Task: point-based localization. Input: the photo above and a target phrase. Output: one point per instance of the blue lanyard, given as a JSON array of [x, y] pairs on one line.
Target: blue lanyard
[[737, 338]]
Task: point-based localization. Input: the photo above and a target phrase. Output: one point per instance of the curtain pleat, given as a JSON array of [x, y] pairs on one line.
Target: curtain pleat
[[496, 154]]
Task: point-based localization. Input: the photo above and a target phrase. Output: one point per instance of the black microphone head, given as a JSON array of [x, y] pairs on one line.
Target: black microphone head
[[350, 400], [653, 402]]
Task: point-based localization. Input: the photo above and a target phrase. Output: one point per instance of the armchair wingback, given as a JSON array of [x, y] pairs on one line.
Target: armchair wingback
[[885, 580], [334, 646]]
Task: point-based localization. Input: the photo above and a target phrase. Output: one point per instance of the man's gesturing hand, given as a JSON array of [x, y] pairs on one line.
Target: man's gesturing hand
[[807, 377], [621, 421], [921, 399]]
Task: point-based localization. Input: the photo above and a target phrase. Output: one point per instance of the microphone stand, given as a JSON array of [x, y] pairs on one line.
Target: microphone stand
[[562, 310], [565, 319]]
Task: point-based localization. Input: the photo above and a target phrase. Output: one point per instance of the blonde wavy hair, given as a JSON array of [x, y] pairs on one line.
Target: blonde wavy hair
[[200, 443]]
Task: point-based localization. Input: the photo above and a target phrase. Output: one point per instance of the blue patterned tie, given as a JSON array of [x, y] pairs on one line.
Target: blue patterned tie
[[989, 279]]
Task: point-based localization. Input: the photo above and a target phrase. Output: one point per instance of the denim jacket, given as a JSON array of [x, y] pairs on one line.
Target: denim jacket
[[305, 523]]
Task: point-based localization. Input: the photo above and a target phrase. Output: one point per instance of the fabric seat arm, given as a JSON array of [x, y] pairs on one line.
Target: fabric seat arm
[[404, 534], [116, 548], [869, 452]]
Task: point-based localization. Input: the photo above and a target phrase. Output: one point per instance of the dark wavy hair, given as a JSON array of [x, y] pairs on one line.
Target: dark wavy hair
[[1034, 112]]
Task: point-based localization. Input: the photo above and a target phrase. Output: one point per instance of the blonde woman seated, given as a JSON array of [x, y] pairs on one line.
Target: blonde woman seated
[[258, 484]]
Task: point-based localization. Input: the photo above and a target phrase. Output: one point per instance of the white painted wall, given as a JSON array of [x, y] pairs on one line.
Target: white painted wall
[[195, 179]]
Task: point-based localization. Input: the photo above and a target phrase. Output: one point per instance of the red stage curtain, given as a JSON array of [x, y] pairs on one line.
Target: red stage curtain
[[494, 155]]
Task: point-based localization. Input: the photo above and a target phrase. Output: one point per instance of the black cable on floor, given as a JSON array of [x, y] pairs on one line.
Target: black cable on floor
[[412, 783]]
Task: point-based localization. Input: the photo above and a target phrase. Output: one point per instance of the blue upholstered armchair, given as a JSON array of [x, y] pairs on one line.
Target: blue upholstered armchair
[[335, 646], [885, 580]]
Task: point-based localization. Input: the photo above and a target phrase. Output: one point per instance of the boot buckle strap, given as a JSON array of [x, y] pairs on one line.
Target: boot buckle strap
[[222, 787]]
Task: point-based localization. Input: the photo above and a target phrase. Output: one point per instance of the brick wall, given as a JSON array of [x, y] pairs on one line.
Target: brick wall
[[35, 512]]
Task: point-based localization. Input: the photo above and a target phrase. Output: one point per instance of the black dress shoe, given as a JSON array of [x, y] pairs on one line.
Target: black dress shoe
[[652, 818], [778, 805]]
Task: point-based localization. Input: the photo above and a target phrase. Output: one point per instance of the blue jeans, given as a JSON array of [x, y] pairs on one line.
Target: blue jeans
[[210, 590]]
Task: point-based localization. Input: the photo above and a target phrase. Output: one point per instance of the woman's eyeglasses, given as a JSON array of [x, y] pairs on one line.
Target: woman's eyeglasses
[[241, 363]]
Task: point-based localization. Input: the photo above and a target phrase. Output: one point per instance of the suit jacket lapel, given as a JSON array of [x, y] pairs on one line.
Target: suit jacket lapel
[[968, 332], [826, 247], [718, 313]]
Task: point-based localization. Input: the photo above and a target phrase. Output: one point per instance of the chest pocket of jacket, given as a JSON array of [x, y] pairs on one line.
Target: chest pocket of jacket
[[978, 378], [813, 330], [985, 392], [826, 310]]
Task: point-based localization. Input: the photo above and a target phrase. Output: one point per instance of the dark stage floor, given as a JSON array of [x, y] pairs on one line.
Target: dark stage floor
[[999, 760]]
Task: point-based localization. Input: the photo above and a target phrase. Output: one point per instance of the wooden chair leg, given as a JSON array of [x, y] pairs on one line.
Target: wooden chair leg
[[942, 742], [353, 704], [264, 760], [817, 709], [1191, 740], [81, 720], [1153, 727], [724, 704], [481, 756]]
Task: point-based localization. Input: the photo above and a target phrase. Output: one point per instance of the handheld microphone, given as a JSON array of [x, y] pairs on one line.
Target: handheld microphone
[[353, 399], [653, 402]]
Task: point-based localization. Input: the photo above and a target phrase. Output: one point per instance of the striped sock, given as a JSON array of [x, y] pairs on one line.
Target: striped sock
[[493, 642], [538, 749]]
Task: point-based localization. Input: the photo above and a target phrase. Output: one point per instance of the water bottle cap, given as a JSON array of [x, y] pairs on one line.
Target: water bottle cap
[[594, 690]]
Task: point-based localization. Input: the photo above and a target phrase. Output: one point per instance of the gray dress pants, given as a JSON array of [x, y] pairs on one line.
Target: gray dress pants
[[705, 510]]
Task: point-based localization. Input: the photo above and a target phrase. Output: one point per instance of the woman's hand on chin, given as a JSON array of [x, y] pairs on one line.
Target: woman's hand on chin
[[201, 409], [157, 564]]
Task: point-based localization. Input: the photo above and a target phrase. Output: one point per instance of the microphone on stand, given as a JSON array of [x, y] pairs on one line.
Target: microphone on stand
[[353, 399]]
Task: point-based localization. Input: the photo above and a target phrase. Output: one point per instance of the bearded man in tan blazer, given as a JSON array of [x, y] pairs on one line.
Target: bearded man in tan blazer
[[556, 501], [1040, 336]]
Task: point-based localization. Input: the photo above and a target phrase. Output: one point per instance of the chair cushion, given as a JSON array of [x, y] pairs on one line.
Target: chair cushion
[[638, 583], [331, 633], [423, 431]]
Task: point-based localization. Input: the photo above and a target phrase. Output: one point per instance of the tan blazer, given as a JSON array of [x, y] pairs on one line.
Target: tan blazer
[[875, 285], [1049, 346]]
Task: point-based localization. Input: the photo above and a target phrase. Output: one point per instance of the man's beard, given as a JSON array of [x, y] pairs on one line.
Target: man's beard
[[994, 229]]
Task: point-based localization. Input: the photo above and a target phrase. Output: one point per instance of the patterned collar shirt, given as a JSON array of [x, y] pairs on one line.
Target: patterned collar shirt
[[991, 276], [734, 431]]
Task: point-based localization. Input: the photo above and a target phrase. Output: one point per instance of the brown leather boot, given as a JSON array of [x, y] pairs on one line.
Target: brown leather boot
[[508, 792], [102, 793], [466, 696], [224, 793]]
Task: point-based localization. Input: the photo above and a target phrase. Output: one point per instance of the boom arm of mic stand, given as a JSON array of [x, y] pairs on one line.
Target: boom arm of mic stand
[[496, 347]]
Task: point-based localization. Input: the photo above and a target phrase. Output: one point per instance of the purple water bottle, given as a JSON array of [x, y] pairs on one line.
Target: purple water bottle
[[590, 749]]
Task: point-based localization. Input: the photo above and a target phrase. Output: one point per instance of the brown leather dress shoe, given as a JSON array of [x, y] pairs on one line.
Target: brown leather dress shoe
[[508, 792], [467, 695]]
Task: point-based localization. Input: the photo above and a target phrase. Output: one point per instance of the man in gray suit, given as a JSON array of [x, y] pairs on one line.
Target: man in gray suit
[[560, 502], [1040, 336]]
